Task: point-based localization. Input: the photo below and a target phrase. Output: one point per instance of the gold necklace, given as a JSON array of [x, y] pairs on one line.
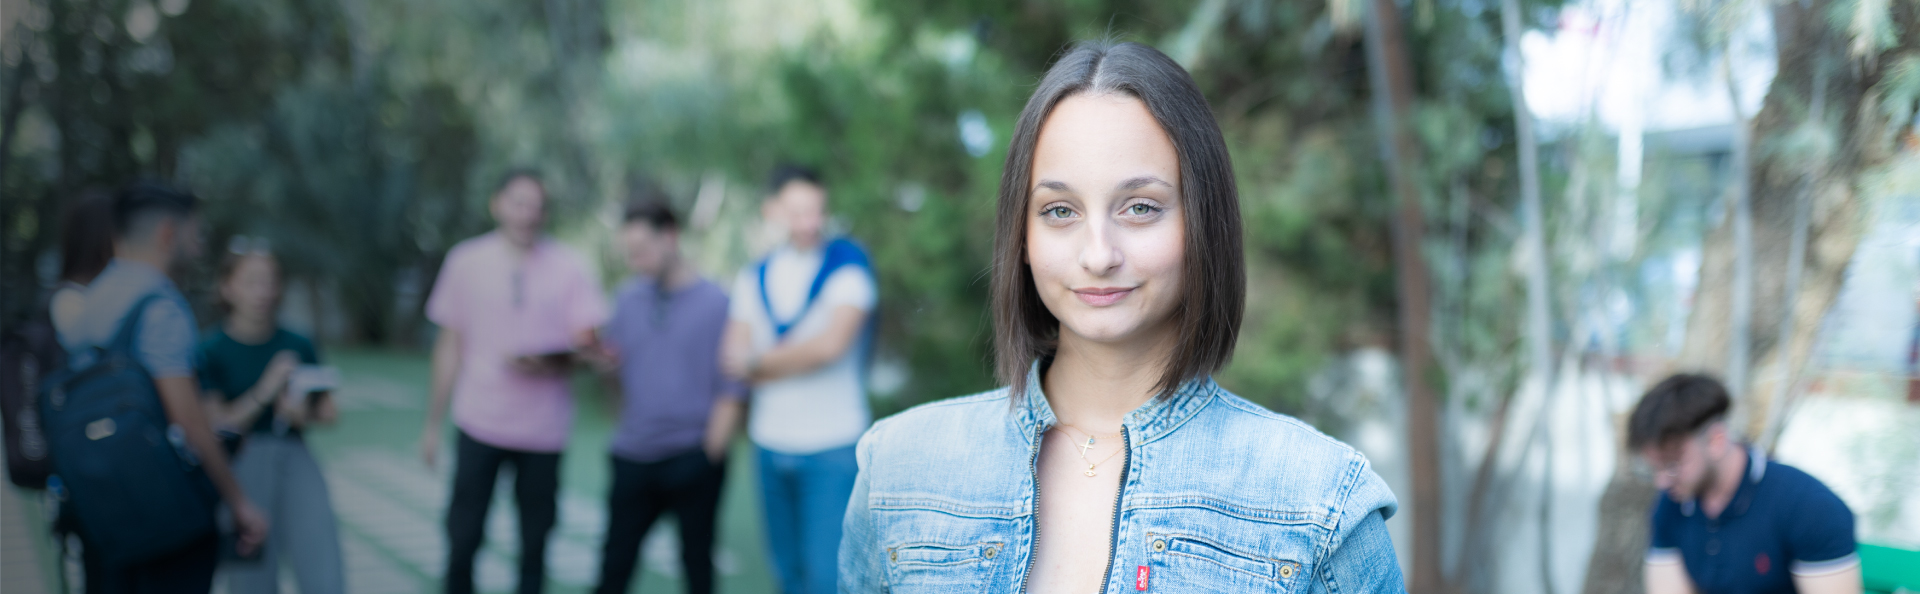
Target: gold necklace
[[1088, 446]]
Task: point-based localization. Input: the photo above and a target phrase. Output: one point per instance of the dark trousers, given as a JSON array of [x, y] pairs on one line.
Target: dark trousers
[[535, 484], [689, 485], [186, 571]]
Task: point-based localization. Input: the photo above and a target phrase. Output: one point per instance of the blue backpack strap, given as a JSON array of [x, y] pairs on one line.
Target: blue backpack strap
[[779, 329], [839, 252]]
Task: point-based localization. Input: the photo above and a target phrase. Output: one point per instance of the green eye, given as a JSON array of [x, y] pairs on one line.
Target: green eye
[[1140, 209], [1059, 212]]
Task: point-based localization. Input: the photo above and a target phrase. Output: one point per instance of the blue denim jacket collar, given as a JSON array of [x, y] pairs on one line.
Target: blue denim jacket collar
[[1157, 418]]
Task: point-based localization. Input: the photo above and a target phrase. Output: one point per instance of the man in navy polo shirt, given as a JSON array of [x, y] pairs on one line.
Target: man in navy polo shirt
[[1728, 519]]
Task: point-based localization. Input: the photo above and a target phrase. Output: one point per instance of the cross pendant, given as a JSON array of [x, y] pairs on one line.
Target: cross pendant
[[1090, 469], [1086, 446]]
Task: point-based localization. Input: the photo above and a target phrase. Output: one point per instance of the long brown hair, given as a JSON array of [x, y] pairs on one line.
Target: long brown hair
[[86, 236], [1213, 277]]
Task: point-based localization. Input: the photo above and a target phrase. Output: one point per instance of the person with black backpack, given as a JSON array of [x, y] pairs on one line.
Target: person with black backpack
[[140, 467]]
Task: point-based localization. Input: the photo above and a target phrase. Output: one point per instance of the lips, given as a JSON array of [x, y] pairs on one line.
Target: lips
[[1102, 296]]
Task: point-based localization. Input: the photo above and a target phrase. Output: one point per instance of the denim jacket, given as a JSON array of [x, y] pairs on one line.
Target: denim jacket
[[1216, 495]]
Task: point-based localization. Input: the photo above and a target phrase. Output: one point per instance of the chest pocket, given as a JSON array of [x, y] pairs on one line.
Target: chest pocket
[[932, 566], [935, 551], [1190, 563]]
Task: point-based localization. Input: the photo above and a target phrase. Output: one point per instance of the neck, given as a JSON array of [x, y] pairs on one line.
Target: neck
[[522, 243], [250, 328], [1092, 386], [1731, 469], [144, 254], [674, 275]]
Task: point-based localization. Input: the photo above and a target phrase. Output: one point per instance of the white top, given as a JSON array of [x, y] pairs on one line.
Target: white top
[[823, 409]]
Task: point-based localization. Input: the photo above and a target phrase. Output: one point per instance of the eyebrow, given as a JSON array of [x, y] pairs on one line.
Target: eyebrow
[[1134, 183], [1143, 181]]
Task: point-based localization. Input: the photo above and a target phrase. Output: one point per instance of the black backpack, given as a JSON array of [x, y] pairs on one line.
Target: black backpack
[[132, 485], [27, 354]]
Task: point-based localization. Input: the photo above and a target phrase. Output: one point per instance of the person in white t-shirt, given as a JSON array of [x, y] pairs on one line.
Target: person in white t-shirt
[[799, 333]]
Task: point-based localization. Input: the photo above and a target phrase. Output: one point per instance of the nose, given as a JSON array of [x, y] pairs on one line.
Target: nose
[[1099, 255]]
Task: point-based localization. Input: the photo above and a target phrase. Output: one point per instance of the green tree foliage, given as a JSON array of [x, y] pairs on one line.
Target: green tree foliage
[[362, 137]]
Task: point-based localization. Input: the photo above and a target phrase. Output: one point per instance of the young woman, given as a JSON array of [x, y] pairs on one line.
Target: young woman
[[245, 366], [1113, 462]]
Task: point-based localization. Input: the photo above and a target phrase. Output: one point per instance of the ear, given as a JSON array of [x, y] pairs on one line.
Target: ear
[[165, 232], [1719, 438], [493, 203]]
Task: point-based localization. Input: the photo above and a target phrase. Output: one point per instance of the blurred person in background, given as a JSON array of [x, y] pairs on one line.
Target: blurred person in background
[[1727, 518], [30, 349], [799, 334], [678, 410], [1112, 461], [246, 364], [512, 306], [86, 246], [155, 228]]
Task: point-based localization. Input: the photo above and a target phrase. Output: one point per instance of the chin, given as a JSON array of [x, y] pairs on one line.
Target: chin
[[1103, 331]]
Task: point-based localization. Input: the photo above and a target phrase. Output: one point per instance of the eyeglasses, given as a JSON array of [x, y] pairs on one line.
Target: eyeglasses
[[1649, 471], [1669, 468]]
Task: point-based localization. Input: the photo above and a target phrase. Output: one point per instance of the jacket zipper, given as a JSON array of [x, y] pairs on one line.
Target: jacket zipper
[[1033, 552], [1113, 539]]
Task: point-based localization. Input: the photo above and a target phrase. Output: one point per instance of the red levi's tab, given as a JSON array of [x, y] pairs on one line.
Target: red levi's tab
[[1140, 578]]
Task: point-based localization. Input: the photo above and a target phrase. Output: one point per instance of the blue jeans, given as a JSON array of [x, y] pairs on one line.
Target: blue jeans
[[805, 498]]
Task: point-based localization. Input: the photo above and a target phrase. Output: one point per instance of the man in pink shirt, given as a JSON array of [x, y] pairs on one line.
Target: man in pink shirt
[[511, 306]]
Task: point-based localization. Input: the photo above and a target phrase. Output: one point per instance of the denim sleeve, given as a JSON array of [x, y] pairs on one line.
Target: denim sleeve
[[861, 565], [1359, 556]]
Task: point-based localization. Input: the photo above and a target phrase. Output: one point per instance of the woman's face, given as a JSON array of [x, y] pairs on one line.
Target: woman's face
[[1106, 234], [254, 287]]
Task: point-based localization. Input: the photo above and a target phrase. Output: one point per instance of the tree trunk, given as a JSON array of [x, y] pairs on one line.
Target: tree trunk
[[1391, 73], [1862, 141], [1539, 315]]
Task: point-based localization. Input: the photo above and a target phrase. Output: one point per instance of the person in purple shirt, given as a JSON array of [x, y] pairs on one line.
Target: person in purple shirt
[[678, 410]]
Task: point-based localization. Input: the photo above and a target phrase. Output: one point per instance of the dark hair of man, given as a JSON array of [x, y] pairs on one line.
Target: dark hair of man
[[648, 203], [517, 173], [141, 205], [785, 173], [86, 236], [1675, 408], [1213, 278]]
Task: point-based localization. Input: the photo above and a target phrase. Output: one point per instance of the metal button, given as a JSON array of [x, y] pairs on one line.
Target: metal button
[[1159, 545], [991, 551], [1286, 571], [893, 556]]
